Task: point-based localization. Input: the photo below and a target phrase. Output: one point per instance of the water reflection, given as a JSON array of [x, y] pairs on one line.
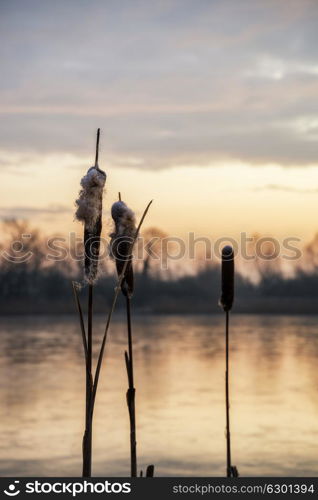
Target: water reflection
[[180, 402]]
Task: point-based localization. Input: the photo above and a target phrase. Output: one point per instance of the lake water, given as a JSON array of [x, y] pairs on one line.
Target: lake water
[[179, 365]]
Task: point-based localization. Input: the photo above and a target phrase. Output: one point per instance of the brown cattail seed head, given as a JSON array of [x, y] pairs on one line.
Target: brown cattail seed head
[[227, 295], [121, 243]]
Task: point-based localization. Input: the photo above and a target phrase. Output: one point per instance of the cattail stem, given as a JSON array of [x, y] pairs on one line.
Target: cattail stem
[[97, 147], [90, 327], [131, 392], [227, 398], [129, 331], [87, 440], [89, 211]]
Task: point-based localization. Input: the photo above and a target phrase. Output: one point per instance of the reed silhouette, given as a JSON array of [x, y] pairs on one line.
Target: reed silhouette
[[226, 302], [89, 211], [124, 220]]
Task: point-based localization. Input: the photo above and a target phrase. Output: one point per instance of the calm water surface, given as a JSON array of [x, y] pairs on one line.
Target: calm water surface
[[179, 363]]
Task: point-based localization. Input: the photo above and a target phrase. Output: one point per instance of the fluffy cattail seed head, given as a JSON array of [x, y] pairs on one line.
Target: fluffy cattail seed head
[[227, 296], [89, 202], [121, 241], [89, 211]]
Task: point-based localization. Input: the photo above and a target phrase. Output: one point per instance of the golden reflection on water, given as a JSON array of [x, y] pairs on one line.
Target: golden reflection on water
[[179, 363]]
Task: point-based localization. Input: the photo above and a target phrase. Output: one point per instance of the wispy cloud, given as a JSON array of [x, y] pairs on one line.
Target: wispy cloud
[[27, 212], [287, 189]]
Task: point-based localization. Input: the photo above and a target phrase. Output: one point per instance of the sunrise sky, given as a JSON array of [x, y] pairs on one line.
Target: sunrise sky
[[208, 107]]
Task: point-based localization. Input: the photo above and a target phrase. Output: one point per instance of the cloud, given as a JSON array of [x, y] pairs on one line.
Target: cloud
[[28, 212], [169, 82], [287, 189]]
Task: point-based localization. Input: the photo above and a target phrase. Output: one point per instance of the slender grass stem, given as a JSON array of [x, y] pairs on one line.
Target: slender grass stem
[[227, 398], [131, 392]]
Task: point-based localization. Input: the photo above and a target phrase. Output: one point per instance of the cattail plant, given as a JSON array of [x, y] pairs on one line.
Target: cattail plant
[[121, 251], [124, 220], [92, 230], [89, 212], [118, 288], [226, 302]]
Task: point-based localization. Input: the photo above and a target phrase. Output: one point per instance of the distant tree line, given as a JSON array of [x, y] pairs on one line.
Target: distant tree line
[[40, 286]]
